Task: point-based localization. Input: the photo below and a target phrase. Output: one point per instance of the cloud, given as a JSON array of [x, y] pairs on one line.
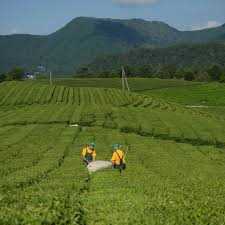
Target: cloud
[[212, 24], [209, 24], [135, 2], [14, 31]]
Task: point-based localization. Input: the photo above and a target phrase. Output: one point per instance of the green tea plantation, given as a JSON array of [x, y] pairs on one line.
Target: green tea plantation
[[175, 158]]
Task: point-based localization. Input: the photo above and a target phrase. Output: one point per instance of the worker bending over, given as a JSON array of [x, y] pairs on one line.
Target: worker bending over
[[89, 153], [118, 161]]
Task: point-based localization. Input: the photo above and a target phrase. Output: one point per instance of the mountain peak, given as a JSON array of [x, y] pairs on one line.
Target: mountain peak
[[83, 18], [85, 38]]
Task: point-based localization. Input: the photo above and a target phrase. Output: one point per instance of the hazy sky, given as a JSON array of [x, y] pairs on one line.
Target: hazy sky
[[46, 16]]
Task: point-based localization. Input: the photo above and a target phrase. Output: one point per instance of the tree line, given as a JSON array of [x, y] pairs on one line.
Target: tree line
[[201, 62], [17, 73], [210, 73]]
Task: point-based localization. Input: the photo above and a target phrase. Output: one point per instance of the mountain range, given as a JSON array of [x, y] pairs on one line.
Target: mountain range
[[84, 39]]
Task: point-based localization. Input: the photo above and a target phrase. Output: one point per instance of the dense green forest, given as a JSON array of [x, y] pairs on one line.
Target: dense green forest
[[200, 62], [84, 39]]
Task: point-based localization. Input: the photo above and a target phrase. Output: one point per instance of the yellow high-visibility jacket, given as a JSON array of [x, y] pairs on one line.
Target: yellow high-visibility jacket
[[117, 156], [87, 150]]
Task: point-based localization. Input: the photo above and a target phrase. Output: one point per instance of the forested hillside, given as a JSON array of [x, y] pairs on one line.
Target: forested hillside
[[161, 62], [84, 39]]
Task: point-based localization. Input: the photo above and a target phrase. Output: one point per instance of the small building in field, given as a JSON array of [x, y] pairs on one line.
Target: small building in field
[[29, 76]]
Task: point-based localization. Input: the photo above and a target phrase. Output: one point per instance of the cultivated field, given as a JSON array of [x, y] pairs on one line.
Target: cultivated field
[[175, 160], [207, 94], [136, 84]]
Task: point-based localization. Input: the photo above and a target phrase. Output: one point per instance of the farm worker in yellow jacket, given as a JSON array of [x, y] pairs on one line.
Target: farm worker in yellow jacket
[[118, 161], [89, 153]]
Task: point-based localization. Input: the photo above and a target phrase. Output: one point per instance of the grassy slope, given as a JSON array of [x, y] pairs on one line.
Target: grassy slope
[[176, 159], [211, 94]]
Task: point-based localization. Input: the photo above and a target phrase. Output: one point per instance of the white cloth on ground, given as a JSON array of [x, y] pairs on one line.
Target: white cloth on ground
[[98, 165]]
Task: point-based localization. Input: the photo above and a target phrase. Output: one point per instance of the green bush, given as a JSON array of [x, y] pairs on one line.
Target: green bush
[[16, 73], [2, 77]]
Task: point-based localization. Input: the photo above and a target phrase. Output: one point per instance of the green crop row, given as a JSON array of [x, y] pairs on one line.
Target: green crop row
[[33, 93], [49, 191], [163, 179], [183, 125], [164, 183], [175, 158]]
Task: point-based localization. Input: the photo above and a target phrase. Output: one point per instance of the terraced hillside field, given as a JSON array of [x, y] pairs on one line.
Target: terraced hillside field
[[175, 160]]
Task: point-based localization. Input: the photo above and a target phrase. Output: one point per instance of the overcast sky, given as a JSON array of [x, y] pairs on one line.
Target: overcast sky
[[46, 16]]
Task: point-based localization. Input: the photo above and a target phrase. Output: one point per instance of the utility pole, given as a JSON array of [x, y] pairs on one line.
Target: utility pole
[[122, 78], [125, 84], [50, 77]]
